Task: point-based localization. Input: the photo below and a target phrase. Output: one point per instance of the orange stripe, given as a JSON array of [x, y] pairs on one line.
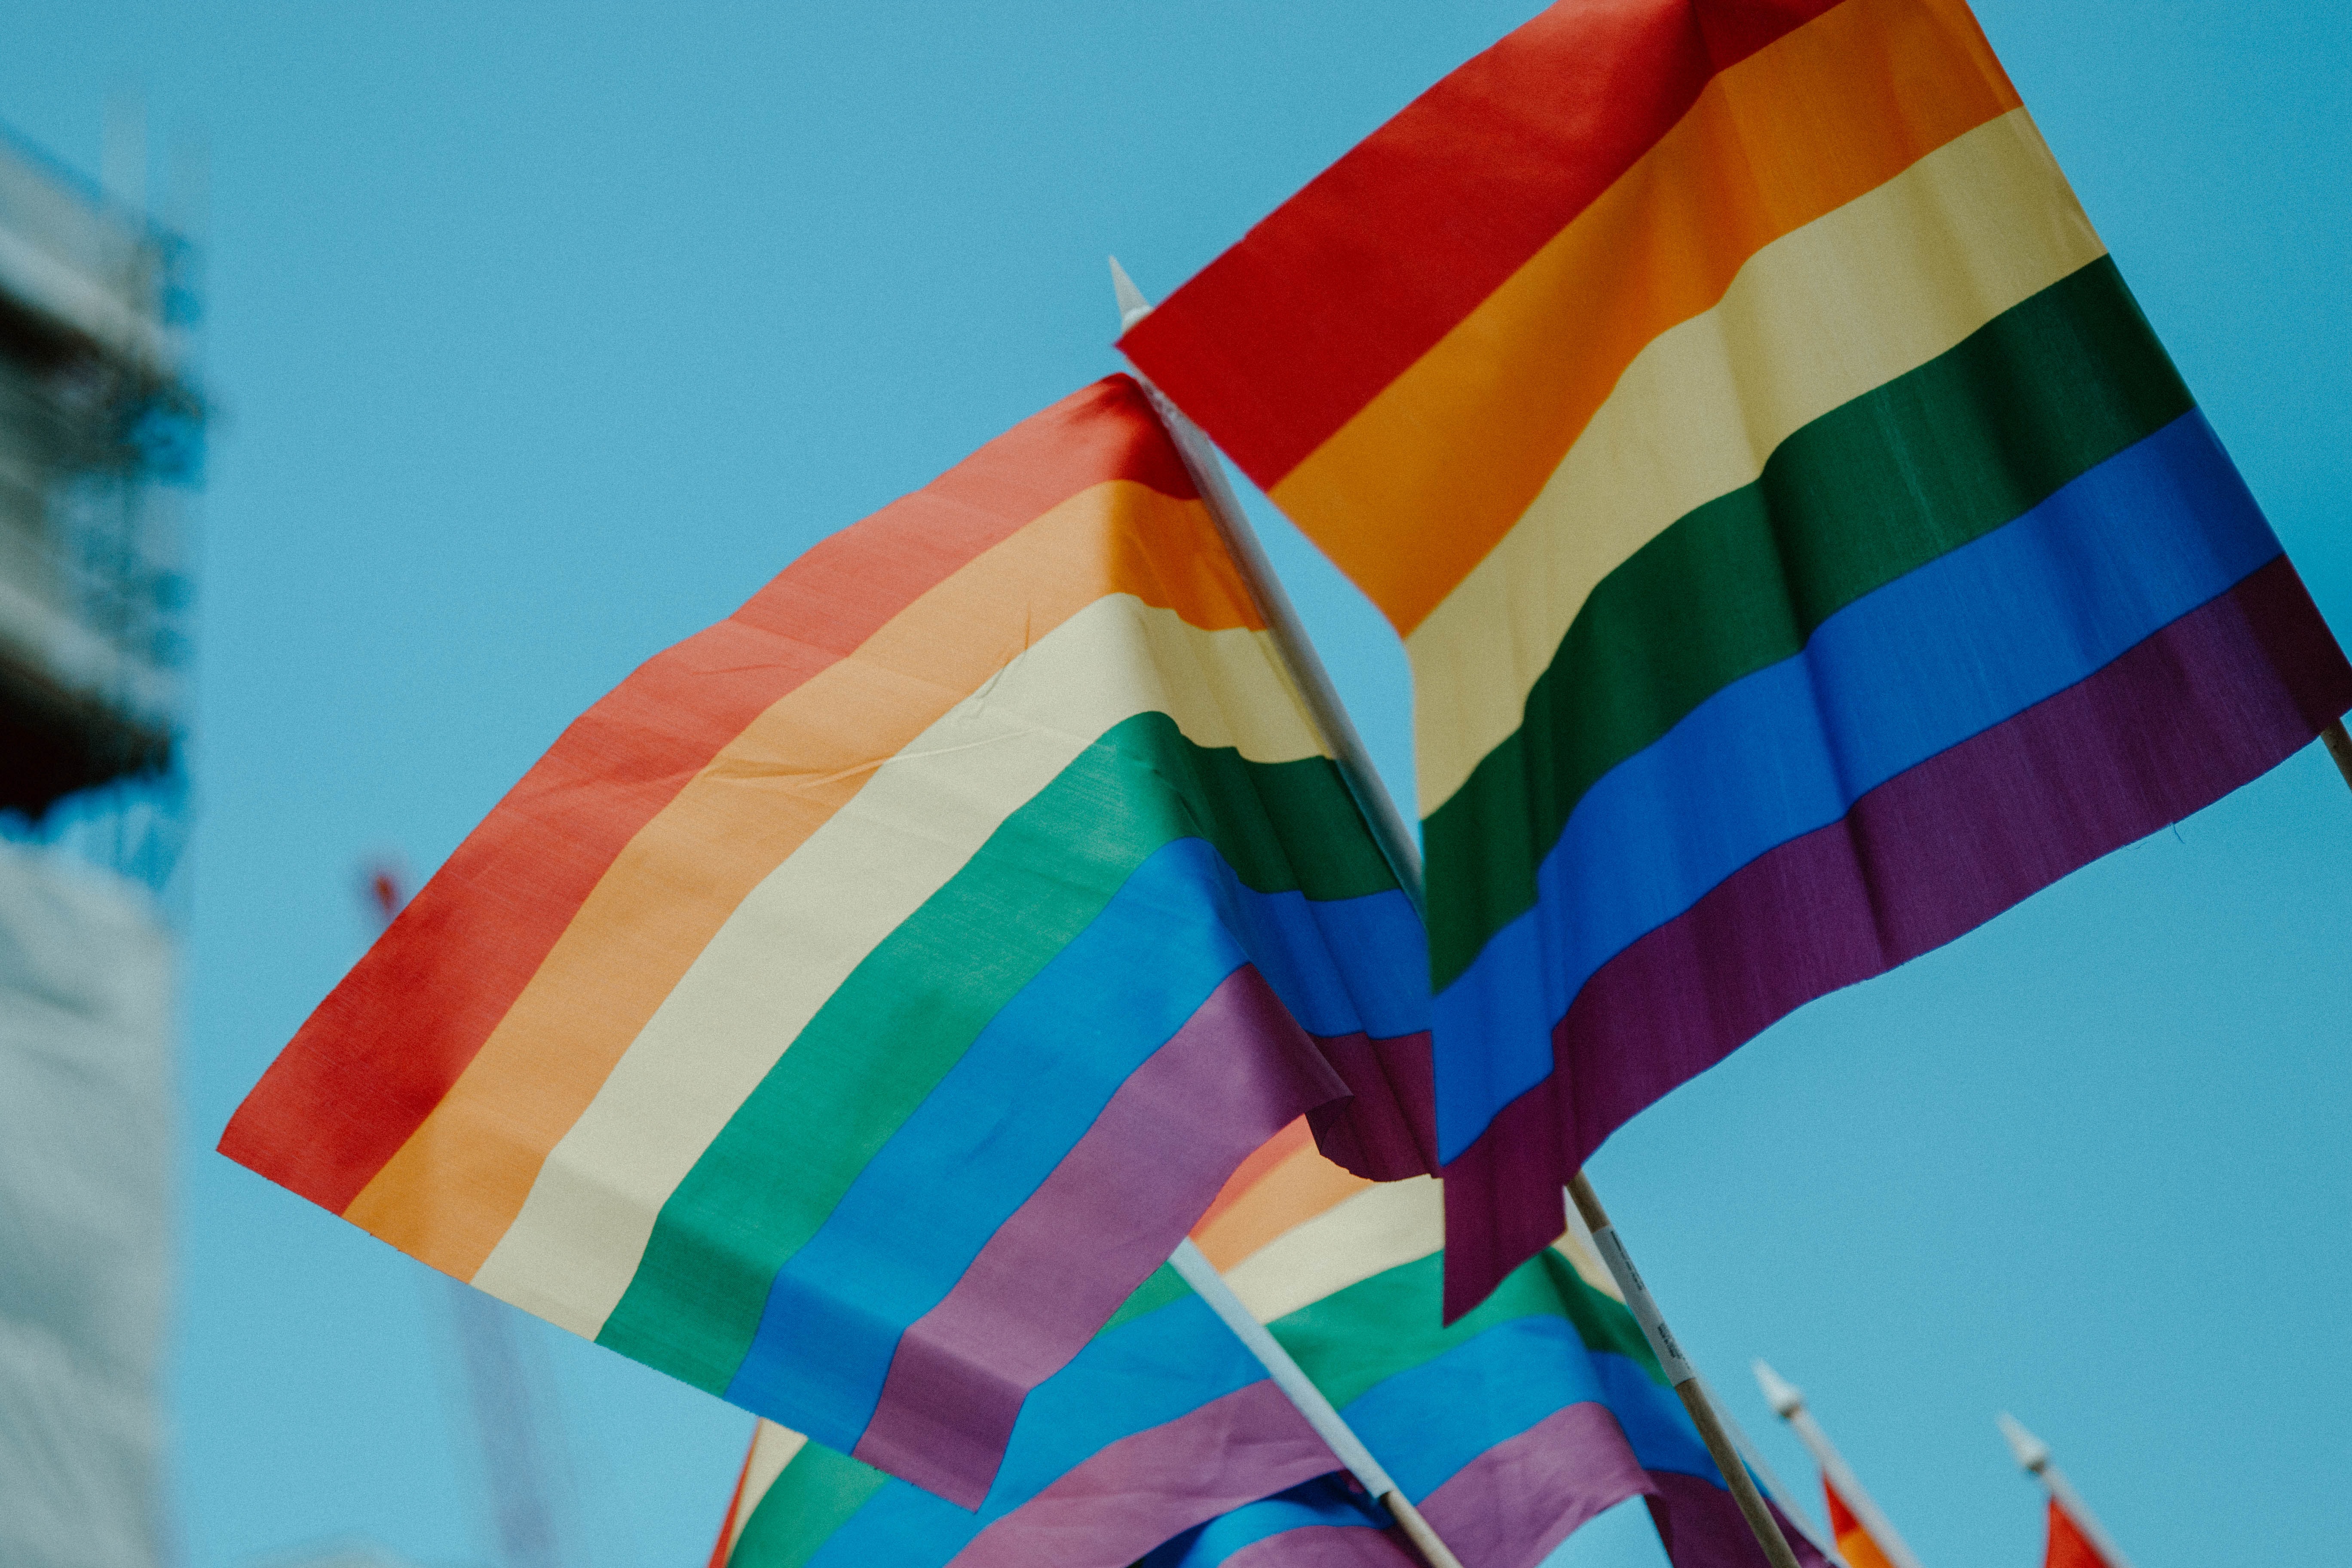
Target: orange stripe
[[1473, 430], [456, 1185], [1860, 1551], [1286, 1193], [1248, 1174], [1854, 1543]]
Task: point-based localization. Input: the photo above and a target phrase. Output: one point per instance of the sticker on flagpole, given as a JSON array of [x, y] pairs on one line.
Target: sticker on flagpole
[[1645, 1311]]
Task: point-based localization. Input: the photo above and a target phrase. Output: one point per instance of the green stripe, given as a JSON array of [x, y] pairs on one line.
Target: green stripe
[[1872, 490], [1354, 1339], [769, 1180], [1159, 1287], [811, 1497]]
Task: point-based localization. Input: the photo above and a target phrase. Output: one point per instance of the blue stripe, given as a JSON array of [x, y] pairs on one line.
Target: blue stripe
[[1961, 645], [1427, 1422], [1030, 1084], [1325, 1501], [1146, 1372]]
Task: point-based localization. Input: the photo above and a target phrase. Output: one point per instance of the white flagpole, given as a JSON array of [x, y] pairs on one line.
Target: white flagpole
[[1330, 715], [1792, 1506], [2033, 1455], [1396, 841], [1403, 856], [1787, 1402], [1292, 1379]]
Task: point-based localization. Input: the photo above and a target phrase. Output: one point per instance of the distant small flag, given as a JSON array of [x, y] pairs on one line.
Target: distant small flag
[[859, 1003], [1803, 546], [1507, 1429], [2069, 1547], [1854, 1541]]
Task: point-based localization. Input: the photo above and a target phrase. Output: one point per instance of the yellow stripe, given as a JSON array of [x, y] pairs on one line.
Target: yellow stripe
[[1848, 303], [1379, 1228], [572, 1250], [773, 1448], [1577, 1246], [458, 1182]]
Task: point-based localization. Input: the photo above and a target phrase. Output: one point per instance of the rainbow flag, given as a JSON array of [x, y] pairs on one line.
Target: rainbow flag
[[1804, 548], [1507, 1429], [1164, 1419], [859, 1003]]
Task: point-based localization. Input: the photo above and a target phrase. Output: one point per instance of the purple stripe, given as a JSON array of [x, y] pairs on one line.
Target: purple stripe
[[1388, 1129], [1329, 1546], [1702, 1527], [1158, 1484], [2211, 701], [1512, 1504], [1239, 1071]]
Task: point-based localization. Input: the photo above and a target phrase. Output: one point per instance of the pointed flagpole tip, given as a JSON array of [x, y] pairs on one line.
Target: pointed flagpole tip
[[1132, 306], [1785, 1397], [2031, 1452]]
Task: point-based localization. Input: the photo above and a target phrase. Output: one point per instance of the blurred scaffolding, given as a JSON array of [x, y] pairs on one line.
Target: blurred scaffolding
[[100, 438]]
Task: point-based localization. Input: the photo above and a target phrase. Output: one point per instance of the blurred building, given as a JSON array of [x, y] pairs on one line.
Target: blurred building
[[99, 434]]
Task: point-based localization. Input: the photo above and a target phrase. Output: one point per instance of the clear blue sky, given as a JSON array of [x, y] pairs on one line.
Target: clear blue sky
[[544, 334]]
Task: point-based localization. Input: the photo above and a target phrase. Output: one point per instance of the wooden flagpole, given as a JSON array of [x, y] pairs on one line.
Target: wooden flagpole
[[1397, 843], [1792, 1506], [1681, 1374], [2339, 746], [1787, 1402], [2033, 1455]]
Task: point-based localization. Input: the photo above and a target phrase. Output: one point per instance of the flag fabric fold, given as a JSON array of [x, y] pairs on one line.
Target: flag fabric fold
[[859, 1003], [1507, 1429], [1164, 1420], [1327, 1522], [1803, 546]]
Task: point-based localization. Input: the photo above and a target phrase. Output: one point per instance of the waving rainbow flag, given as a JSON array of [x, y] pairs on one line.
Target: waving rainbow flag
[[1507, 1429], [860, 1002], [1804, 547]]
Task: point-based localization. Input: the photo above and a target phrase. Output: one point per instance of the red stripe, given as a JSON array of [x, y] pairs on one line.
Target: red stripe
[[1282, 338], [719, 1553], [383, 1049]]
